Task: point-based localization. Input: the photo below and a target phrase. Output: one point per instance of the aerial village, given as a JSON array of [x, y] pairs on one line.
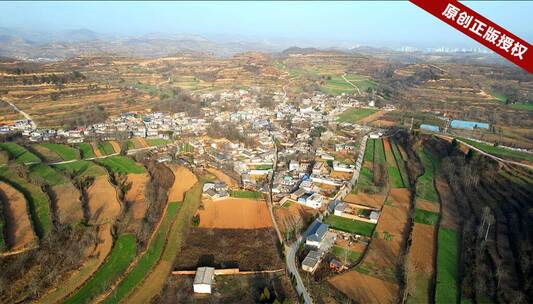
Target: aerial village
[[291, 154]]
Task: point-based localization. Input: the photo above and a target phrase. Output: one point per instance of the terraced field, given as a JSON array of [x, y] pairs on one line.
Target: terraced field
[[18, 153], [38, 202], [121, 164], [64, 151]]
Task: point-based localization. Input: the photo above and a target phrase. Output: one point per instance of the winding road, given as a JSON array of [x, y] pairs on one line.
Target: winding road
[[353, 85]]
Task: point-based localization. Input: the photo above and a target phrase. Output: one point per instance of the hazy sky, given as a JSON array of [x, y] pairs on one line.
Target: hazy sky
[[368, 23]]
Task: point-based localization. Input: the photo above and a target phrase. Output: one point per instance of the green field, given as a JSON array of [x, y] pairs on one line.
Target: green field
[[342, 253], [447, 267], [425, 217], [379, 153], [400, 162], [365, 181], [353, 115], [65, 152], [349, 225], [424, 185], [336, 86], [116, 263], [149, 258], [47, 175], [19, 153], [86, 150], [121, 164], [81, 168], [360, 81], [246, 194], [157, 141], [369, 150], [499, 151], [38, 203], [522, 106], [105, 148], [395, 178]]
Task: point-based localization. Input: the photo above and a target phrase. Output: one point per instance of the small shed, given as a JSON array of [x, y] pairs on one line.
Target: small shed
[[203, 279], [311, 261]]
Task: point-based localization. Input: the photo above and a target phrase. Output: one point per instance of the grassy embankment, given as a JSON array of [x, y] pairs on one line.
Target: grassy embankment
[[116, 263], [499, 151]]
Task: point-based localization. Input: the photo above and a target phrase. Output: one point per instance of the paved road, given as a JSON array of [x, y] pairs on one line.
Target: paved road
[[290, 256], [505, 161], [26, 115]]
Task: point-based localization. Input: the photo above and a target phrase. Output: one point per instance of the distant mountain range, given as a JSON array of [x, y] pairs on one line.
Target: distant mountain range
[[34, 45], [59, 45]]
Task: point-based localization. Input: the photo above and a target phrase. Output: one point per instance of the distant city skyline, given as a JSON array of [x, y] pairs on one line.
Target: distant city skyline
[[322, 24]]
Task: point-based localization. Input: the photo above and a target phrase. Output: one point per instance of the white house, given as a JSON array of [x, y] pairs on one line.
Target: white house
[[293, 165], [203, 279]]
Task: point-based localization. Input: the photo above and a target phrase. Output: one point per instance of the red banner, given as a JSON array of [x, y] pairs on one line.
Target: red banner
[[482, 30]]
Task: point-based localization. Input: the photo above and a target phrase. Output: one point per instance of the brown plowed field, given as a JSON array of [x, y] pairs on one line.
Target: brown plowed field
[[103, 203], [250, 249], [370, 200], [383, 250], [383, 123], [116, 145], [371, 117], [388, 152], [184, 179], [135, 200], [96, 151], [422, 251], [19, 231], [427, 205], [235, 213], [142, 142], [364, 288], [223, 177], [449, 211], [293, 215], [341, 175], [69, 208]]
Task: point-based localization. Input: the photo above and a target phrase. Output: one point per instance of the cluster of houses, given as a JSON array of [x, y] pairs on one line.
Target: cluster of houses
[[215, 190]]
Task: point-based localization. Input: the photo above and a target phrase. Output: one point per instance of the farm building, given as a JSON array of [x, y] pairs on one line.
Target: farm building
[[315, 234], [431, 128], [340, 167], [312, 200], [311, 261], [203, 279], [468, 125]]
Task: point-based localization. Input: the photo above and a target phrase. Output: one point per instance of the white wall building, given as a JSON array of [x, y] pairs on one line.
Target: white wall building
[[203, 279]]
